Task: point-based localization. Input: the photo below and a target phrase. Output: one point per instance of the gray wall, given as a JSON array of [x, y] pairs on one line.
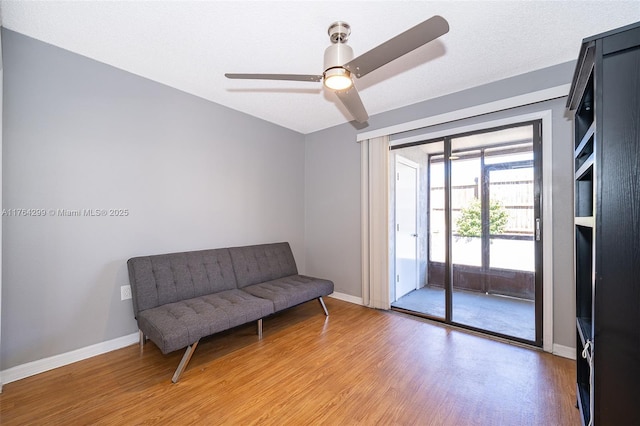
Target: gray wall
[[333, 179], [332, 208], [79, 134]]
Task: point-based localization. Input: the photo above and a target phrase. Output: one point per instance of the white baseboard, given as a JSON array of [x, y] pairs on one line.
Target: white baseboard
[[564, 351], [347, 298], [40, 366]]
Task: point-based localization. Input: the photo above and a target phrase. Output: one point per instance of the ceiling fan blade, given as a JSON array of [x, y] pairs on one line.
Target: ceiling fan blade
[[397, 46], [290, 77], [351, 100]]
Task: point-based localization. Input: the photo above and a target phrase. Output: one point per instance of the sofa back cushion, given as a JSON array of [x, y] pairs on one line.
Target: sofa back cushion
[[167, 278], [260, 263]]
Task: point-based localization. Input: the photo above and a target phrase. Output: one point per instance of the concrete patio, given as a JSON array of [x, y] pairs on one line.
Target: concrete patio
[[499, 314]]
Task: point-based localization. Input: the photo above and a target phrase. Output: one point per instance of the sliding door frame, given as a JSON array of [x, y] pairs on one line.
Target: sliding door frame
[[544, 310]]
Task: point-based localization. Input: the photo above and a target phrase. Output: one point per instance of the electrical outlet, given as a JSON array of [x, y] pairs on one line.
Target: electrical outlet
[[125, 292]]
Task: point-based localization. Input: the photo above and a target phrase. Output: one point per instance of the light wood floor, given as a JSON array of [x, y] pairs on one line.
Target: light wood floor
[[358, 366]]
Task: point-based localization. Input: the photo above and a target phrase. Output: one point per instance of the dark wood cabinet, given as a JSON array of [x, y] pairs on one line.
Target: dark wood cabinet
[[605, 101]]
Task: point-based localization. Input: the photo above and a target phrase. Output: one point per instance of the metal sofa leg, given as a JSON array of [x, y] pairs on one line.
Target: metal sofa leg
[[324, 307], [184, 361], [260, 328], [143, 339]]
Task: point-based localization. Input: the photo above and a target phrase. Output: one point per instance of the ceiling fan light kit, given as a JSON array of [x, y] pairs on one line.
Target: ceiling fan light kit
[[340, 67], [337, 79]]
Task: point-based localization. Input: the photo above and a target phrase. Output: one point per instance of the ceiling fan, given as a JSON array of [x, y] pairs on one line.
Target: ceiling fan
[[340, 66]]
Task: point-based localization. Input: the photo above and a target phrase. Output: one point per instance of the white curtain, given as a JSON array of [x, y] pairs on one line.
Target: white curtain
[[375, 222]]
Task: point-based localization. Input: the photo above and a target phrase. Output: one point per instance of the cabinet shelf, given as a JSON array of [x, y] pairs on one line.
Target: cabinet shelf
[[585, 150], [585, 140], [585, 167], [586, 221]]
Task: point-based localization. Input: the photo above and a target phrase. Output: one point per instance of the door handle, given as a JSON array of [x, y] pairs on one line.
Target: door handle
[[538, 229], [414, 235]]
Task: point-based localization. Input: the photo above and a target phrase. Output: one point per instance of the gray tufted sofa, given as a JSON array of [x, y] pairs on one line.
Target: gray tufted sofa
[[179, 298]]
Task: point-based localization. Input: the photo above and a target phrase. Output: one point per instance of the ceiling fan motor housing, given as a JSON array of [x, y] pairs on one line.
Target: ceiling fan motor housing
[[337, 55]]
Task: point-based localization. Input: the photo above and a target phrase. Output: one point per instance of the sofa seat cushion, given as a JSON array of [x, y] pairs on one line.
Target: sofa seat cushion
[[177, 325], [291, 291]]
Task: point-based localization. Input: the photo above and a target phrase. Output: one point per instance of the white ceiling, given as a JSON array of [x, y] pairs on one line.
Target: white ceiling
[[189, 45]]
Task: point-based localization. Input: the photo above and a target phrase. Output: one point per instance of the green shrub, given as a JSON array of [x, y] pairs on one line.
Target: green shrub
[[469, 223]]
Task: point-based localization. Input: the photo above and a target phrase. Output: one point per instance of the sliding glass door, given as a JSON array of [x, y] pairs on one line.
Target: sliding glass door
[[482, 257]]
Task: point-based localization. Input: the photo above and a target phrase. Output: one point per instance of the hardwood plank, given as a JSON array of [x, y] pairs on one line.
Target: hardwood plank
[[357, 366]]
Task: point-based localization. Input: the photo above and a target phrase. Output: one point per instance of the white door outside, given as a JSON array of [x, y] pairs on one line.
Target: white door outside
[[406, 226]]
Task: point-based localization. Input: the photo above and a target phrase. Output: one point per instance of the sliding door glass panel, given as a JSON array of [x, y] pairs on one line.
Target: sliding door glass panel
[[512, 246], [406, 230], [437, 233], [493, 223], [429, 296], [465, 208]]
